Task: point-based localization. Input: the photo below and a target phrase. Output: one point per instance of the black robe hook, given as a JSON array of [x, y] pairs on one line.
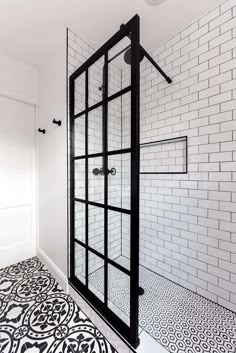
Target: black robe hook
[[42, 130], [58, 122]]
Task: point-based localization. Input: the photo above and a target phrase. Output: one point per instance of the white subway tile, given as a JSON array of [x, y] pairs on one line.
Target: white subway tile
[[189, 30], [209, 54], [228, 86], [227, 76], [220, 98], [209, 92], [209, 17], [206, 74], [211, 111], [228, 65], [181, 44], [209, 36], [228, 25], [189, 48], [200, 68], [220, 59], [227, 5], [220, 20], [199, 51], [220, 39], [221, 137], [220, 291]]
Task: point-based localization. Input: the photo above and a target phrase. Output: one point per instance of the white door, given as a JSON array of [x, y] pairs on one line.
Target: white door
[[17, 181]]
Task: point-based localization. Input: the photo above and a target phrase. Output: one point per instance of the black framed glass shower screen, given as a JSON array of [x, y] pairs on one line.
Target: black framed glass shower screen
[[98, 161]]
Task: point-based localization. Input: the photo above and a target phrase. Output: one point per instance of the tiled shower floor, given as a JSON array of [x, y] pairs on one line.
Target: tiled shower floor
[[178, 319], [36, 316]]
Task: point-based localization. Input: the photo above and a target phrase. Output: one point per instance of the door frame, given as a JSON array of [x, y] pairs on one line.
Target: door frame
[[131, 29], [24, 250]]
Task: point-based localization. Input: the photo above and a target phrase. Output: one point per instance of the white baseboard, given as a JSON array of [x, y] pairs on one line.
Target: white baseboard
[[55, 271], [16, 253]]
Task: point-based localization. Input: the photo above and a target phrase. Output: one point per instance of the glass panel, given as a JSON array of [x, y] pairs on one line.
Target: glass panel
[[119, 123], [119, 238], [114, 235], [95, 131], [119, 72], [96, 228], [80, 262], [80, 178], [119, 293], [79, 136], [80, 221], [95, 180], [126, 120], [95, 81], [125, 260], [80, 93], [119, 180], [96, 275]]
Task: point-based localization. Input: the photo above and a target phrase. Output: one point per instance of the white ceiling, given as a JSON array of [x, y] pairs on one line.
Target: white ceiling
[[30, 29]]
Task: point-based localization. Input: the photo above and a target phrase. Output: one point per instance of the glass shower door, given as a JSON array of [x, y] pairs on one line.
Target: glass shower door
[[104, 184]]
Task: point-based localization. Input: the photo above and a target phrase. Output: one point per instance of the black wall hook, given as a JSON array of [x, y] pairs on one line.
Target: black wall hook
[[42, 130], [58, 122]]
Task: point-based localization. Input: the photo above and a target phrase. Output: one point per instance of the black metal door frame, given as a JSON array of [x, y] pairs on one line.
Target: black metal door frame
[[130, 333]]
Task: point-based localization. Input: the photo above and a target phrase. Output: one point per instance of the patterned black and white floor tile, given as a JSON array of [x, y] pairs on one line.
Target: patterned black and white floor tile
[[36, 316], [180, 320]]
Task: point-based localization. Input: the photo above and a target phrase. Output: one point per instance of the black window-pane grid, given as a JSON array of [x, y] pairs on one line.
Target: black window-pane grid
[[125, 30], [109, 153], [103, 257], [104, 154], [130, 333], [104, 101], [101, 205]]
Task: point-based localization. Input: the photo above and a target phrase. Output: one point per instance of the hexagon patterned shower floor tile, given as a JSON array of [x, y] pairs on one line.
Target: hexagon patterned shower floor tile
[[37, 316], [178, 319]]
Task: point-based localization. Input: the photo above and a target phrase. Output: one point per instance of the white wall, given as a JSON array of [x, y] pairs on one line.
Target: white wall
[[18, 79], [52, 160], [18, 99]]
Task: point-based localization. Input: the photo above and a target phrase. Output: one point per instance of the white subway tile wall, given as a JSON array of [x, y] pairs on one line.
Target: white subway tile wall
[[187, 222]]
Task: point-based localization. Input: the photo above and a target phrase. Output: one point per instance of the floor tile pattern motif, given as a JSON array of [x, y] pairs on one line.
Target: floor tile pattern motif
[[180, 320], [36, 316]]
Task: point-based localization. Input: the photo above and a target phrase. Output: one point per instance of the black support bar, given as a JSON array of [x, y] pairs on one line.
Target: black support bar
[[152, 61]]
